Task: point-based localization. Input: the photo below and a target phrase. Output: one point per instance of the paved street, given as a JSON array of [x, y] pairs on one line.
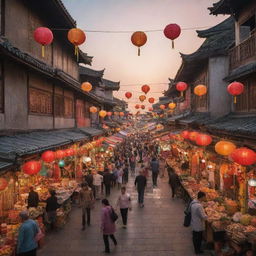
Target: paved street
[[155, 229]]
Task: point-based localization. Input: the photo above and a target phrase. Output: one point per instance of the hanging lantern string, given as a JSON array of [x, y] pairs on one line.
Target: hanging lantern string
[[129, 31]]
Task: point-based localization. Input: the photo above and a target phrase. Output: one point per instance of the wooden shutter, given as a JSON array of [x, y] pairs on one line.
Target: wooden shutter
[[68, 107], [58, 105]]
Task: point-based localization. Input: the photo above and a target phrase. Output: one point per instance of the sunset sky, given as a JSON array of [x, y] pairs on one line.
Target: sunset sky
[[115, 52]]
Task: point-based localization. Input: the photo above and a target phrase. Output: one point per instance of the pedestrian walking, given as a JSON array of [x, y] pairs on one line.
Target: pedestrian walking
[[124, 203], [27, 244], [51, 208], [119, 177], [107, 178], [161, 167], [97, 181], [133, 165], [140, 183], [198, 217], [155, 170], [108, 227], [86, 202], [126, 174], [174, 181]]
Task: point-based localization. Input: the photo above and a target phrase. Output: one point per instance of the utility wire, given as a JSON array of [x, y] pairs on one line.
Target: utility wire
[[126, 31]]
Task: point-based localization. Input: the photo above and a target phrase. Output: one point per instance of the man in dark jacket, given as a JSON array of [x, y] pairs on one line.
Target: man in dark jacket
[[51, 208], [141, 183], [33, 198], [107, 178], [174, 181], [89, 179], [155, 170]]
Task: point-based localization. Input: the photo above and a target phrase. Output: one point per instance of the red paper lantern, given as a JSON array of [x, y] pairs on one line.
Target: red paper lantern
[[172, 31], [150, 109], [142, 107], [185, 134], [235, 89], [109, 113], [48, 156], [203, 139], [3, 184], [128, 95], [60, 154], [243, 156], [139, 38], [181, 86], [43, 36], [192, 136], [137, 106], [145, 88], [32, 167], [151, 100], [162, 107]]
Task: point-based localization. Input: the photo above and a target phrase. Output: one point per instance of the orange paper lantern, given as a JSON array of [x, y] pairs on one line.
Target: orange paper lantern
[[200, 90], [139, 38], [109, 113], [224, 148], [142, 98], [142, 107], [121, 113], [77, 37], [93, 109], [162, 107], [86, 86], [137, 106]]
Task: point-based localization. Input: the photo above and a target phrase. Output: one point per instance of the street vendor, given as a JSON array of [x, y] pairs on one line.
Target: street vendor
[[33, 198]]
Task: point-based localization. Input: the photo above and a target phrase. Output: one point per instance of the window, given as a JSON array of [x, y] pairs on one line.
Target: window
[[58, 105], [246, 101], [68, 107], [2, 17], [40, 102], [1, 88], [87, 110], [247, 28]]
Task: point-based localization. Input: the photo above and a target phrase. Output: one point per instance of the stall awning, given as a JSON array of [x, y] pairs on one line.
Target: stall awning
[[89, 131], [36, 142], [4, 165]]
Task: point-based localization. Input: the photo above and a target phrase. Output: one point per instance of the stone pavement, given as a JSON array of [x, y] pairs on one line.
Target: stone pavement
[[155, 229]]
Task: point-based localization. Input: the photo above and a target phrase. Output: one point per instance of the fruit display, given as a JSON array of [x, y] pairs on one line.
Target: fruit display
[[6, 250], [245, 219]]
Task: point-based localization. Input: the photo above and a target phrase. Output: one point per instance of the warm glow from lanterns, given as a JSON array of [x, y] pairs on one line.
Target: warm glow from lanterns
[[162, 107], [139, 38], [151, 100], [48, 156], [137, 106], [77, 37], [172, 105], [243, 156], [121, 113], [200, 90], [142, 107], [181, 86], [185, 134], [192, 136], [102, 113], [109, 113], [86, 87], [224, 148], [31, 167], [203, 139]]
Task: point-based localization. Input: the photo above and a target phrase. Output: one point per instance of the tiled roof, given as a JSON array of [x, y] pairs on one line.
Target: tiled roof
[[240, 125], [84, 58], [198, 118], [36, 142], [90, 72], [5, 165], [65, 11], [241, 71], [110, 85], [219, 39], [89, 131], [228, 6]]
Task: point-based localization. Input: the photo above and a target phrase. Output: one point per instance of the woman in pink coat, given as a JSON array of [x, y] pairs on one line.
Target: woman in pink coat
[[108, 227]]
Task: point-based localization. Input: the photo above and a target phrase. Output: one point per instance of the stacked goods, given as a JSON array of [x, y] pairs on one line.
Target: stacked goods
[[231, 206], [215, 211], [236, 233]]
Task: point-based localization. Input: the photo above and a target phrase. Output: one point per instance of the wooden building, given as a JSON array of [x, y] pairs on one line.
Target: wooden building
[[39, 92]]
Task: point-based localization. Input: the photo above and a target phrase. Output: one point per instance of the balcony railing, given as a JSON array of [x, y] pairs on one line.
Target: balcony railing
[[243, 53]]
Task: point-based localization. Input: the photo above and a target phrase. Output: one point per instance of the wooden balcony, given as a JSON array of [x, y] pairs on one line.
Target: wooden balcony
[[243, 53]]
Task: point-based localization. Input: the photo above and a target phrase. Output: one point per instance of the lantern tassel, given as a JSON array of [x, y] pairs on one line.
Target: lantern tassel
[[172, 44], [43, 51], [139, 51], [235, 100], [181, 93]]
